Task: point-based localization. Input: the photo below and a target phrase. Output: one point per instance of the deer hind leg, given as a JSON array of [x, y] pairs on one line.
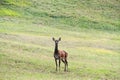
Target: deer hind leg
[[66, 63]]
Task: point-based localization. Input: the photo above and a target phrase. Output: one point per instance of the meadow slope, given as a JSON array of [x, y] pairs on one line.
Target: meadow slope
[[90, 32]]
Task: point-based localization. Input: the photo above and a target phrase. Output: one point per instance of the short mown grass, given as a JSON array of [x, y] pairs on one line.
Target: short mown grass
[[28, 54]]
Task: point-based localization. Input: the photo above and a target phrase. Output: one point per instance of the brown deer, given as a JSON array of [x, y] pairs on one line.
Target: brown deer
[[60, 55]]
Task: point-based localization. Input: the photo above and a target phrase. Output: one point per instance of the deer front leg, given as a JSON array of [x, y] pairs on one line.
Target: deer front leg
[[59, 64], [56, 63]]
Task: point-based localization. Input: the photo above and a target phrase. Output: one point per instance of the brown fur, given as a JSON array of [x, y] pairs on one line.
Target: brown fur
[[62, 54]]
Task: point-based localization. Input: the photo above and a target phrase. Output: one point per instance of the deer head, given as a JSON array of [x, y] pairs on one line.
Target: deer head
[[56, 41]]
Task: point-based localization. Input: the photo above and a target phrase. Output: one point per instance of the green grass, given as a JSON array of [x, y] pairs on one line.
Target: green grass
[[90, 32]]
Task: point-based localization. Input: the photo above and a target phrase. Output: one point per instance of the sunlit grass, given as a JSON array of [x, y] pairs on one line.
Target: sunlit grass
[[98, 50], [8, 12]]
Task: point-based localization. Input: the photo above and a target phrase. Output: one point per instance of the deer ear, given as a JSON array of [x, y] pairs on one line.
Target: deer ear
[[53, 39], [60, 39]]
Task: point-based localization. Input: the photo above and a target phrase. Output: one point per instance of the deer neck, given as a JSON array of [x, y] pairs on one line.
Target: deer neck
[[56, 49]]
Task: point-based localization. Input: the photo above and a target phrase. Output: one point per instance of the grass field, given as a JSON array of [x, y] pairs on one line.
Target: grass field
[[90, 32]]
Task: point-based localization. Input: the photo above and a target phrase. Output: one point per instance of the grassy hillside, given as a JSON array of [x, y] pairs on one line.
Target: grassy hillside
[[95, 14], [90, 32]]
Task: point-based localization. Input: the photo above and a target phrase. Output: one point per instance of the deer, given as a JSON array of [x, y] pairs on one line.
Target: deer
[[60, 55]]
